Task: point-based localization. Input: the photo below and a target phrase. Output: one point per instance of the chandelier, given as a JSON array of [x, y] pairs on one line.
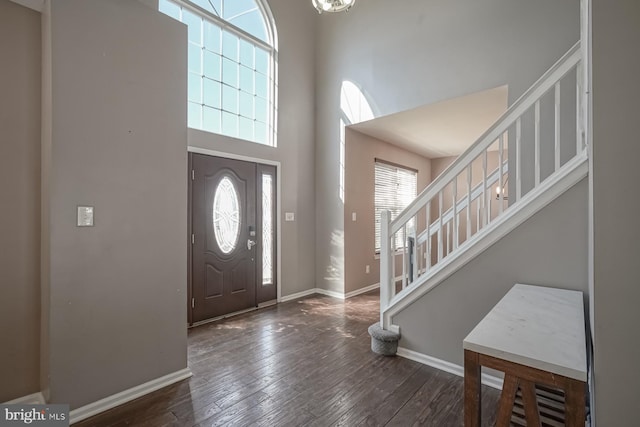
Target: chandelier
[[332, 5]]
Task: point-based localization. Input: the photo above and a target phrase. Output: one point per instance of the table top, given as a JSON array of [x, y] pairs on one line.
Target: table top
[[538, 327]]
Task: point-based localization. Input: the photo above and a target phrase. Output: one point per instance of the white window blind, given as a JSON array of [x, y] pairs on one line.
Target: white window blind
[[395, 188]]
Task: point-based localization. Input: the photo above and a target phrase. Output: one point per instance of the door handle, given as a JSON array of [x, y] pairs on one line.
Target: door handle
[[250, 244]]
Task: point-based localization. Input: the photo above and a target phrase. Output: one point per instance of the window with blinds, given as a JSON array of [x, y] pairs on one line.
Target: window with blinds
[[395, 188]]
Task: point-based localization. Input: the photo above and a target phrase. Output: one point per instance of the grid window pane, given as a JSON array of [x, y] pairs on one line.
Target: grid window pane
[[230, 72], [230, 99], [262, 88], [169, 8], [212, 6], [230, 45], [246, 79], [236, 7], [212, 65], [212, 120], [260, 132], [229, 124], [212, 93], [252, 23], [246, 105], [246, 128], [194, 26], [246, 53], [195, 88], [262, 60], [194, 115], [212, 37], [194, 57], [261, 109]]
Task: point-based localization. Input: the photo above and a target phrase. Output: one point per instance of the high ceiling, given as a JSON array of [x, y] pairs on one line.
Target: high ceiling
[[442, 129]]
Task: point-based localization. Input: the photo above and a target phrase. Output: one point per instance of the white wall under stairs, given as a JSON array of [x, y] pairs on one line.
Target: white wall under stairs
[[548, 249]]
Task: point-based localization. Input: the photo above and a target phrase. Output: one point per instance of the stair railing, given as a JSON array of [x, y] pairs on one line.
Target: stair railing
[[537, 136]]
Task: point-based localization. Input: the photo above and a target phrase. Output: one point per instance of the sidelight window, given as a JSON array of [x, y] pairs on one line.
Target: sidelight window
[[267, 229]]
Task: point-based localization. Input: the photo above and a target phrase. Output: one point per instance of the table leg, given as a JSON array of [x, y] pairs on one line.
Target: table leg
[[472, 415], [507, 397], [575, 395], [530, 402]]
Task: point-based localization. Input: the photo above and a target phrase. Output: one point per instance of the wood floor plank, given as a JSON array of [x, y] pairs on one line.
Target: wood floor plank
[[302, 363], [374, 396]]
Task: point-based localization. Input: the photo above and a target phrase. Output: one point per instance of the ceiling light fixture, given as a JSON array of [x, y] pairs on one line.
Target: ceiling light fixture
[[332, 5]]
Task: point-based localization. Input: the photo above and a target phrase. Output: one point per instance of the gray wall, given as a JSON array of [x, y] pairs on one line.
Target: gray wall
[[118, 290], [20, 199], [616, 150], [295, 24], [418, 53], [359, 236], [549, 249]]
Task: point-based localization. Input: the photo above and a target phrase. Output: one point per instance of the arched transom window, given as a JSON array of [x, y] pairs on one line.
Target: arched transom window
[[231, 63]]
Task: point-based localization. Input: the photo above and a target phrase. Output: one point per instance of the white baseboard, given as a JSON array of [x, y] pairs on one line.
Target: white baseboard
[[333, 294], [362, 290], [328, 293], [117, 399], [32, 399], [298, 295], [443, 365]]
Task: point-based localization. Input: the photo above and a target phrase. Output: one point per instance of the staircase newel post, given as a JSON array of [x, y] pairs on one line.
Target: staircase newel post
[[385, 265]]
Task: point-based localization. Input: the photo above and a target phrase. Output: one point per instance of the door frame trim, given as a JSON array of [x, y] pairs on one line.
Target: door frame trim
[[233, 156]]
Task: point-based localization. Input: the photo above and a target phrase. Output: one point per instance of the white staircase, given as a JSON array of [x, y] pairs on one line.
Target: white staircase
[[529, 157]]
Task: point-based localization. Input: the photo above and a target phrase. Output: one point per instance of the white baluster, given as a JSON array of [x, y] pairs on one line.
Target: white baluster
[[537, 143], [386, 279], [429, 235], [417, 257], [404, 256], [518, 158], [557, 124], [454, 243], [440, 231], [500, 175], [580, 109], [447, 249], [485, 195], [469, 187]]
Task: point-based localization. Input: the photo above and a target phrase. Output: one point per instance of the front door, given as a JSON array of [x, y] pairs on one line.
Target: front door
[[232, 236]]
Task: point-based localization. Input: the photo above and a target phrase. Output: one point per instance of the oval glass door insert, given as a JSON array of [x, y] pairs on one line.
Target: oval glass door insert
[[226, 215]]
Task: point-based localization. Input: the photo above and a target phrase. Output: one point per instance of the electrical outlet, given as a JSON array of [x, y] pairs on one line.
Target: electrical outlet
[[353, 216], [367, 269]]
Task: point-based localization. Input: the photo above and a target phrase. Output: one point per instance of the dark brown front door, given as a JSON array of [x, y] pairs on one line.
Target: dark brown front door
[[224, 236]]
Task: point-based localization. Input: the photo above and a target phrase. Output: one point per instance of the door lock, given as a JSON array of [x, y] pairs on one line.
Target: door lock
[[250, 244]]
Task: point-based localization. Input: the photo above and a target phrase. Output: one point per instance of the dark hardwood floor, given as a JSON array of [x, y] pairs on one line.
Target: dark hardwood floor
[[301, 363]]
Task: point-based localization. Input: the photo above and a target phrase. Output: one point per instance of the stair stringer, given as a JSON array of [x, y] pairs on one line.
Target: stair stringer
[[550, 189]]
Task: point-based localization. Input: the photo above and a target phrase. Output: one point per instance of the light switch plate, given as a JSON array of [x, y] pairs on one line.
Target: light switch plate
[[353, 216], [85, 216], [289, 216]]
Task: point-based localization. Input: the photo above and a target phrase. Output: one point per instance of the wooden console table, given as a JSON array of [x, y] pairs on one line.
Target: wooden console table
[[535, 335]]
